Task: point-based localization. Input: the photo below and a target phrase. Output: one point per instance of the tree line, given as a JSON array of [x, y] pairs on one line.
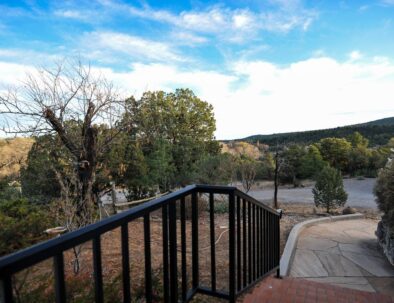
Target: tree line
[[87, 137], [377, 132]]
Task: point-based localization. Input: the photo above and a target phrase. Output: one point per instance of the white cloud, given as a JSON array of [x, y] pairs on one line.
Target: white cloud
[[260, 97], [229, 23], [187, 38], [68, 13], [388, 2], [355, 55], [108, 44]]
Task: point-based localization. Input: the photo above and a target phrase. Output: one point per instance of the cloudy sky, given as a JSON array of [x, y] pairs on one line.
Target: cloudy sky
[[266, 66]]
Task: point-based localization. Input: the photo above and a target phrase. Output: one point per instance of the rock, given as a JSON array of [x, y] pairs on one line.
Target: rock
[[348, 211], [385, 237]]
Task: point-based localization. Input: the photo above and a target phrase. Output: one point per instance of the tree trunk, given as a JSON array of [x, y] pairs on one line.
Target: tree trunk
[[86, 174]]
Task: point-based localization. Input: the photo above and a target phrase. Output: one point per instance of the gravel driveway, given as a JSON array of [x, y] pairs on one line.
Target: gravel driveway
[[360, 193]]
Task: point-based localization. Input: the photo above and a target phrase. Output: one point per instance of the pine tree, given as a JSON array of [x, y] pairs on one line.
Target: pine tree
[[329, 191]]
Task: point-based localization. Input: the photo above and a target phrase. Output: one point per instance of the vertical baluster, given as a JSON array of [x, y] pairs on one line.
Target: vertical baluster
[[183, 250], [60, 286], [271, 244], [273, 240], [148, 259], [125, 263], [98, 274], [268, 242], [258, 241], [173, 253], [244, 244], [212, 238], [165, 254], [195, 240], [265, 242], [254, 241], [262, 242], [276, 239], [6, 290], [239, 244], [231, 214], [249, 243], [278, 253]]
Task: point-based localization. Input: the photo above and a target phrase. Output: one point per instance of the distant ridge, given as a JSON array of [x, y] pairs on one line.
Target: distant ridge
[[378, 132], [384, 121]]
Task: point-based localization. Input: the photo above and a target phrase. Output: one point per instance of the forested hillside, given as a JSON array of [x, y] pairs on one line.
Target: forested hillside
[[377, 132], [13, 155]]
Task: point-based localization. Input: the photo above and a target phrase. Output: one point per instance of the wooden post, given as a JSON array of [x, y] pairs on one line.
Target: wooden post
[[113, 196]]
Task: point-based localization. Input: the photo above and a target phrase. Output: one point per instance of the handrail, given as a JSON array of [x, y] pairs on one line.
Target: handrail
[[42, 251], [253, 246]]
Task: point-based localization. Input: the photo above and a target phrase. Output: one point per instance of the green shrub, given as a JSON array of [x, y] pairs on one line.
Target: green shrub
[[329, 191], [21, 224], [384, 192], [221, 208]]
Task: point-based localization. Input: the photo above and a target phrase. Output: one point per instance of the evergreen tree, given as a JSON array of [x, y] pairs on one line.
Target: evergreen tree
[[329, 191]]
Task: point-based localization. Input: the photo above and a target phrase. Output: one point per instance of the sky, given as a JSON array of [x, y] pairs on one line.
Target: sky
[[266, 66]]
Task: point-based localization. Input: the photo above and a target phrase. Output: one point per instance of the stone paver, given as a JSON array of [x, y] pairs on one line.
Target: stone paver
[[343, 253], [304, 291]]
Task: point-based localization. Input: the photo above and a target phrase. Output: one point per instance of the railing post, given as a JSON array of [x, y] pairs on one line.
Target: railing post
[[278, 246], [60, 287], [148, 259], [212, 238], [195, 266], [232, 235], [97, 269], [125, 263], [183, 250], [6, 290], [166, 280], [173, 253]]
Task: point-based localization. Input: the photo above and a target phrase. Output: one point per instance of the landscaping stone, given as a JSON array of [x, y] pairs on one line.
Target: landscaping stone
[[386, 240], [349, 210], [307, 264], [337, 265], [377, 266]]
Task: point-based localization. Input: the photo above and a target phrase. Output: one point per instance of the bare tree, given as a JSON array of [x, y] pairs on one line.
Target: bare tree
[[247, 168], [73, 103]]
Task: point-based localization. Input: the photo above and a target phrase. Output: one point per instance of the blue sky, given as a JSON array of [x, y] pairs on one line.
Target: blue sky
[[266, 66]]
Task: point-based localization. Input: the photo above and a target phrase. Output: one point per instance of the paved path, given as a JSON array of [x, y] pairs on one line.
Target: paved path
[[343, 253], [360, 193], [303, 291]]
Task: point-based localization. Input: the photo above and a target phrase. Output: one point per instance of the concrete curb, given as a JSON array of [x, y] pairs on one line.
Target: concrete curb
[[291, 244]]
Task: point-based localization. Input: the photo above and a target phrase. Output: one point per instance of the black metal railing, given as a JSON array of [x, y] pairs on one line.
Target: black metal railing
[[253, 247]]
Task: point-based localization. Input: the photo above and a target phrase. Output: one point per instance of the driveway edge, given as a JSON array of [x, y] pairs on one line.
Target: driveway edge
[[291, 243]]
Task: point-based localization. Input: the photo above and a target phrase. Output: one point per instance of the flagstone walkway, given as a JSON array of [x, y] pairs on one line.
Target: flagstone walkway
[[343, 253]]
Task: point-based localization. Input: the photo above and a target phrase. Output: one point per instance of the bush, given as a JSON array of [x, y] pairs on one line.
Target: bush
[[329, 191], [21, 225], [384, 191]]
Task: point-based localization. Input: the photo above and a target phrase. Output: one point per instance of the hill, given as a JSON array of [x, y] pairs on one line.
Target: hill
[[13, 155], [378, 132]]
